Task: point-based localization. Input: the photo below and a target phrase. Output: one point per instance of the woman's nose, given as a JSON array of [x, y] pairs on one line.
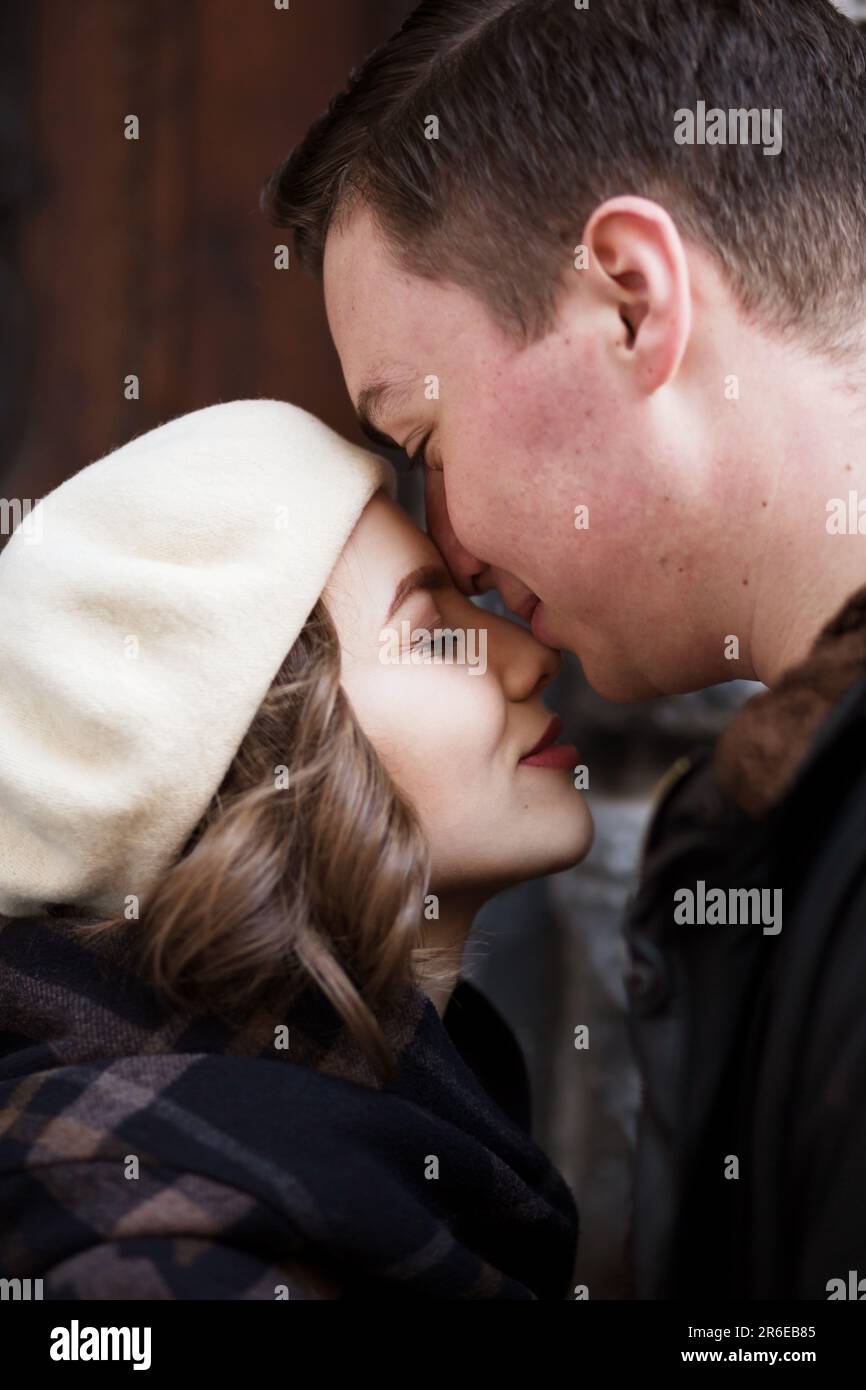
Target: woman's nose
[[525, 665]]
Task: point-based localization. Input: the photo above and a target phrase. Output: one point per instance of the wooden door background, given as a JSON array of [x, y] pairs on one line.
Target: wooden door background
[[151, 256]]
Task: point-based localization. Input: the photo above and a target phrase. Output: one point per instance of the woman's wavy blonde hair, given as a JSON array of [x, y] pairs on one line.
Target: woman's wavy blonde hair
[[308, 868]]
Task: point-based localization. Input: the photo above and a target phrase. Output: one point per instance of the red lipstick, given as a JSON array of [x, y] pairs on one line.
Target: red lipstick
[[547, 752]]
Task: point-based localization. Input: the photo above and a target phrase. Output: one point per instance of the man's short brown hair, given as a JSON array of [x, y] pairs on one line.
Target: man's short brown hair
[[544, 110]]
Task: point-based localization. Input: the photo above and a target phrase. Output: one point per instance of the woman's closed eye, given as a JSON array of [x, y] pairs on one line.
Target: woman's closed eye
[[423, 634], [436, 642]]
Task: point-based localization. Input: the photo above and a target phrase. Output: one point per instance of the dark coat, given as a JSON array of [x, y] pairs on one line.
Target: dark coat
[[752, 1045], [148, 1155]]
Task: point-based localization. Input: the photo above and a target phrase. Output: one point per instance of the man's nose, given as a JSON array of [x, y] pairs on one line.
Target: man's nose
[[465, 568], [470, 574]]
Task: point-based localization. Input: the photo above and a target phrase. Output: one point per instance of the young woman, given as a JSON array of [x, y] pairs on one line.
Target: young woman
[[260, 765]]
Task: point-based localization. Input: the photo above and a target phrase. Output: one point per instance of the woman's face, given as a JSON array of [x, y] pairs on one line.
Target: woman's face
[[453, 719]]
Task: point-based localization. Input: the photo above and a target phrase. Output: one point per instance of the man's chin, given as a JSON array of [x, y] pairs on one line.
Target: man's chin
[[619, 685], [607, 668]]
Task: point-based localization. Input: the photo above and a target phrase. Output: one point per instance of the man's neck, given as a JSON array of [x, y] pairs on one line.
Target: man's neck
[[805, 553]]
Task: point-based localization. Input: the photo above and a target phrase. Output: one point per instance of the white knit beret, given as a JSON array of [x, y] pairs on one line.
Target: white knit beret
[[145, 607]]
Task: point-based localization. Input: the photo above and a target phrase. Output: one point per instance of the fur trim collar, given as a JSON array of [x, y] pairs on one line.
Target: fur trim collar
[[759, 753]]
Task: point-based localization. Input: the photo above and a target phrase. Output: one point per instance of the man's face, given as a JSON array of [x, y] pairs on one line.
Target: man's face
[[551, 471]]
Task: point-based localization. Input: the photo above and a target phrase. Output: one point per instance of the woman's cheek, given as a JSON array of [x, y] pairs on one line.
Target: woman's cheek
[[438, 729]]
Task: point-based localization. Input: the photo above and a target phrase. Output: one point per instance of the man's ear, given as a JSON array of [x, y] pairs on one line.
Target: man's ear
[[638, 263]]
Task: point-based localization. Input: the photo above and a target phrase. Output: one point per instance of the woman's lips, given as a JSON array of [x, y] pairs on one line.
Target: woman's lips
[[548, 753]]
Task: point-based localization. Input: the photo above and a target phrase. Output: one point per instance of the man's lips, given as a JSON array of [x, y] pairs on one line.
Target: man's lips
[[527, 607], [538, 629], [547, 752], [531, 610]]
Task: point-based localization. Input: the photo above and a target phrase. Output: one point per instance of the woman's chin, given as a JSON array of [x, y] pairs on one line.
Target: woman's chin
[[579, 846], [563, 848], [559, 839], [569, 858], [564, 836]]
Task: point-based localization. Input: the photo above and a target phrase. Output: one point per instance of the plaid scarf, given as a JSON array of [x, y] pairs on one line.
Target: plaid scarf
[[149, 1154]]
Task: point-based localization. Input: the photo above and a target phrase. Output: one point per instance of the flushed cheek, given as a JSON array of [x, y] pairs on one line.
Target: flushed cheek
[[590, 552], [492, 517], [533, 474], [516, 508]]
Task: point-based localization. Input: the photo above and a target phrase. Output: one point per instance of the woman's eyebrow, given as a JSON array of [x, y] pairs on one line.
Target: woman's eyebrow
[[430, 577]]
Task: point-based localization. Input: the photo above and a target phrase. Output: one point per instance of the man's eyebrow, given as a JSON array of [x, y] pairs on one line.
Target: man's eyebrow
[[372, 402], [431, 577]]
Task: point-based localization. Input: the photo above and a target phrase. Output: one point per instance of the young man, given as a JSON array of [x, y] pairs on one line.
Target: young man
[[603, 269]]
